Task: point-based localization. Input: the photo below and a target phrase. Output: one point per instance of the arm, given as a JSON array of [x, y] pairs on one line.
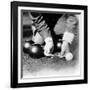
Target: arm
[[67, 39], [48, 46]]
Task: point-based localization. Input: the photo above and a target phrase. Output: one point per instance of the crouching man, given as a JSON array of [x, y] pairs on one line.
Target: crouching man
[[42, 34], [66, 26], [68, 37]]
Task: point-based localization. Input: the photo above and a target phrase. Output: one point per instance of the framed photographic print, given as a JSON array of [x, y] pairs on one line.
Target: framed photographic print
[[48, 44]]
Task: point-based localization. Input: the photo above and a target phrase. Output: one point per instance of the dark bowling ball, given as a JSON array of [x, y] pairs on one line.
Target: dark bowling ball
[[36, 51]]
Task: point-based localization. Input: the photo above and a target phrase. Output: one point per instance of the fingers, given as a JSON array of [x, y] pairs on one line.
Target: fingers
[[44, 28], [38, 19], [40, 24]]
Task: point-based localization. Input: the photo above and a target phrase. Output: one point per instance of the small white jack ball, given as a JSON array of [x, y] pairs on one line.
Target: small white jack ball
[[26, 45], [69, 56], [58, 44], [34, 49]]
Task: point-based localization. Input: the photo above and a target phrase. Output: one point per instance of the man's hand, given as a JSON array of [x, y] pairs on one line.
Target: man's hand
[[64, 47], [48, 46]]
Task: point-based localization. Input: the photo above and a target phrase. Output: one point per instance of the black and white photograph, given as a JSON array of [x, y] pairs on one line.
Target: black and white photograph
[[50, 44]]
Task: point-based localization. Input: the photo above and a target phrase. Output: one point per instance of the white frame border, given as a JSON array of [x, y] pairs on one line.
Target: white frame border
[[81, 45]]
